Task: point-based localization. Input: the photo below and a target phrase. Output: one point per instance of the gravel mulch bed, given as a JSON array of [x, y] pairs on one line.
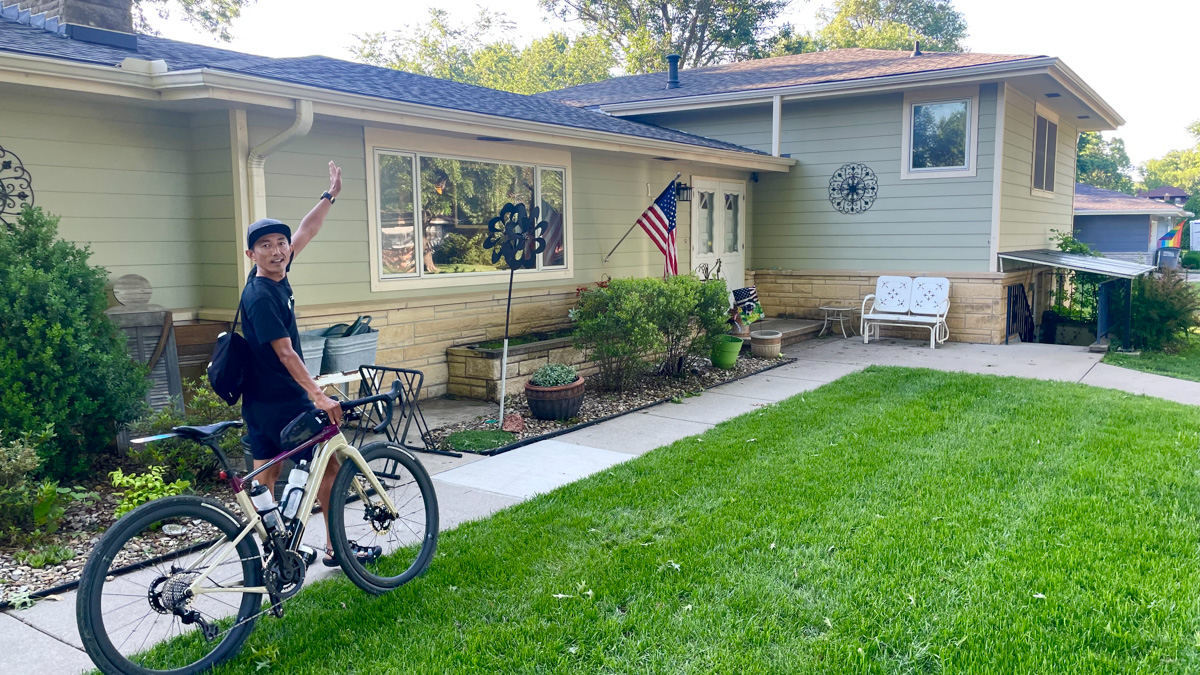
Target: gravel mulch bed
[[598, 405]]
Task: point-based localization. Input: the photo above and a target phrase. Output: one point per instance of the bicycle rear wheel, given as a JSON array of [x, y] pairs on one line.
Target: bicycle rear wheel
[[408, 539], [136, 615]]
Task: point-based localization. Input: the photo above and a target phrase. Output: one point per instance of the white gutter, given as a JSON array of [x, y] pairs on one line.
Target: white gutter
[[257, 160], [205, 83]]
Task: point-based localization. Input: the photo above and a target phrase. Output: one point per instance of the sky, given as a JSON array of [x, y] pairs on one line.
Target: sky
[[1138, 61]]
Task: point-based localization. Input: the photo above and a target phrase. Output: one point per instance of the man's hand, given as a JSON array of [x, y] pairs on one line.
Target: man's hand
[[335, 179], [330, 406]]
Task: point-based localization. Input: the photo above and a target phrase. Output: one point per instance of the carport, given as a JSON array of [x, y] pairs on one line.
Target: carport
[[1121, 275]]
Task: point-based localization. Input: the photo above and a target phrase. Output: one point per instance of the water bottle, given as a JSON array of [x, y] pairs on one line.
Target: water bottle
[[293, 494], [264, 503]]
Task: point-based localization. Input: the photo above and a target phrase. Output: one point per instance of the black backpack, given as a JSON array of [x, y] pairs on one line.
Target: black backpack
[[230, 360]]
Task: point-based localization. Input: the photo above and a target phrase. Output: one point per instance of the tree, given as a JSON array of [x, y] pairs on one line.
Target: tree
[[1102, 163], [702, 32], [210, 16], [467, 53], [1180, 168], [891, 24]]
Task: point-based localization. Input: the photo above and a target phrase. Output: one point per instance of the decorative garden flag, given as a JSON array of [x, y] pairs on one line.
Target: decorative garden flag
[[1174, 238], [659, 222]]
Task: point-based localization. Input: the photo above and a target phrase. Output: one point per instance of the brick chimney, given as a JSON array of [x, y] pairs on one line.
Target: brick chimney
[[115, 15]]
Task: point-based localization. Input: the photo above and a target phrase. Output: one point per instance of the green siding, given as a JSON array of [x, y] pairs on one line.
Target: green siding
[[927, 224], [748, 126], [1026, 219], [119, 176]]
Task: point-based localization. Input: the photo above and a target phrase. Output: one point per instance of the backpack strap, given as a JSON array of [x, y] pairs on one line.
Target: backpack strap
[[238, 313]]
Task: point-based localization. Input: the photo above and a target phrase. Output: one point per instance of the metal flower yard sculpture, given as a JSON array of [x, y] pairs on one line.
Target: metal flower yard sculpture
[[16, 190], [514, 235]]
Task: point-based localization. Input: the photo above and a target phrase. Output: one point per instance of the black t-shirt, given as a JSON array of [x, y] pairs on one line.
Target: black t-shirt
[[269, 311]]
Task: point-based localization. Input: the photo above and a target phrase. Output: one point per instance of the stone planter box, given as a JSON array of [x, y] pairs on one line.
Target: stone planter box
[[475, 372]]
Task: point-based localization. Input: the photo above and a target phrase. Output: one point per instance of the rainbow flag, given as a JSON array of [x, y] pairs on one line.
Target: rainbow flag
[[1174, 238]]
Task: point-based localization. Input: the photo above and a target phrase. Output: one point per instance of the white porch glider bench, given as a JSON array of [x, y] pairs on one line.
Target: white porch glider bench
[[904, 301]]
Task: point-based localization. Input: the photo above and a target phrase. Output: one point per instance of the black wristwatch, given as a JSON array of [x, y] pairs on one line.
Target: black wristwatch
[[326, 195]]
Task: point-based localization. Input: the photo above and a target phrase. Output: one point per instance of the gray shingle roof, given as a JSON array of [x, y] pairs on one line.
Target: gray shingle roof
[[784, 71], [336, 75], [1089, 198], [1168, 191]]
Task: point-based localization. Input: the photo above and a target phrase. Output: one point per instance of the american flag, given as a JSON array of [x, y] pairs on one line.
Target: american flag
[[659, 222]]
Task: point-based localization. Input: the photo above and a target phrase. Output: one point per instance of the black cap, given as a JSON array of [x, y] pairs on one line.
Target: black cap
[[266, 226]]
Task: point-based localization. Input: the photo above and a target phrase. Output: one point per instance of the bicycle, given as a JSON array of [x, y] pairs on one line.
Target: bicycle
[[207, 589]]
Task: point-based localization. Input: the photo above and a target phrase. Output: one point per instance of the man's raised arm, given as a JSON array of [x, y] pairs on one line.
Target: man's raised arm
[[311, 225]]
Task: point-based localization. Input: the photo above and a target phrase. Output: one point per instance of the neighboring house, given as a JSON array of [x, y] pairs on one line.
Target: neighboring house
[[159, 153], [1121, 226], [1166, 193]]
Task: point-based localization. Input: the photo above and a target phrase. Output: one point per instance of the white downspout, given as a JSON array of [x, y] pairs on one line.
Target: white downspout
[[776, 124], [257, 159]]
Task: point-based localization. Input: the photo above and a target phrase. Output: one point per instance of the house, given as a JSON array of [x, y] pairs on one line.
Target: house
[[1120, 226], [1166, 193], [810, 175]]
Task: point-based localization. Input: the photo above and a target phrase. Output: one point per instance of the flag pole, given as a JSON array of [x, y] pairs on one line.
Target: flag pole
[[614, 249]]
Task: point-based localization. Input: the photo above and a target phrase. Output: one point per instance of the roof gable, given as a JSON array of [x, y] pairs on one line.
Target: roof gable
[[839, 65]]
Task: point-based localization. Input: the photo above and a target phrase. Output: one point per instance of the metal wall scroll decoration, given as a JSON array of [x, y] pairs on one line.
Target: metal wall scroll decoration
[[853, 188], [16, 187]]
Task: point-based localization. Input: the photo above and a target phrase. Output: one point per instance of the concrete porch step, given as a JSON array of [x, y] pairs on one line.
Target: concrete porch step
[[794, 330]]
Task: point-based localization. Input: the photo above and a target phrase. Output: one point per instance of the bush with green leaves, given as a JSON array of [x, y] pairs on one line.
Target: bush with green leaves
[[1165, 308], [690, 315], [30, 509], [62, 362], [1190, 260], [1076, 294], [144, 487], [615, 327], [183, 459], [554, 375], [45, 556]]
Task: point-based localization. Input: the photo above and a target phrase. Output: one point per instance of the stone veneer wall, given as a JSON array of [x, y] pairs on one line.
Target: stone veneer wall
[[416, 333], [475, 373], [977, 299]]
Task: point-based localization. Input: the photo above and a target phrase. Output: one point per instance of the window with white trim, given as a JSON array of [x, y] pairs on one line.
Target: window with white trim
[[433, 212], [1045, 146], [939, 135]]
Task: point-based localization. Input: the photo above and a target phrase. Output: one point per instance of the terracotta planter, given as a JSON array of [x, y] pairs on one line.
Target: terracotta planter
[[555, 403]]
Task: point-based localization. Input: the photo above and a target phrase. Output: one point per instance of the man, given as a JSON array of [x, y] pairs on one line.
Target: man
[[278, 386]]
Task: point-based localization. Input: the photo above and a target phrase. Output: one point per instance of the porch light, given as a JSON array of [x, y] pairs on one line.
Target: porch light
[[683, 192]]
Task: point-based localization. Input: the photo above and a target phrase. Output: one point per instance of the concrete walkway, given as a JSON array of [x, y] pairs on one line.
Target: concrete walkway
[[45, 640]]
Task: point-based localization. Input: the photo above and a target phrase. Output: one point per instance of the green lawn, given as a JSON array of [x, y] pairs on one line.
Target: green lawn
[[1184, 365], [895, 521]]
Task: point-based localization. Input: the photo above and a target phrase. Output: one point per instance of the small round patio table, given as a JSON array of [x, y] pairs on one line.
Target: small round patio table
[[839, 314]]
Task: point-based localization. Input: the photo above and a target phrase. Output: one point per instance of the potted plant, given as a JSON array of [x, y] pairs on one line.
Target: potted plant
[[725, 351], [555, 392]]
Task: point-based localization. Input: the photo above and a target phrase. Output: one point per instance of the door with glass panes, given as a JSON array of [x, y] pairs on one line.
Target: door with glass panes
[[719, 228]]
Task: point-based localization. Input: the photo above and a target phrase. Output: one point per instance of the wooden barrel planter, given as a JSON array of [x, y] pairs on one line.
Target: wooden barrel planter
[[765, 344], [555, 403]]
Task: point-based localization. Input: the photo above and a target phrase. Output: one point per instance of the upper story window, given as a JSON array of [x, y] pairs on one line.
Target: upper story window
[[939, 137], [431, 211], [1045, 150]]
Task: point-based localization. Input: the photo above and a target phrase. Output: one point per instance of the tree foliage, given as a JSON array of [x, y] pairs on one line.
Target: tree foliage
[[1103, 163], [702, 32], [891, 24], [1180, 168], [62, 362], [468, 53], [211, 16]]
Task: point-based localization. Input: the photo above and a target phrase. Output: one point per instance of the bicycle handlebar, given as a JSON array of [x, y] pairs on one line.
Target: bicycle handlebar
[[390, 397]]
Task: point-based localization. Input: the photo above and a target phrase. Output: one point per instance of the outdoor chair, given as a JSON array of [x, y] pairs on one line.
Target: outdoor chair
[[903, 301]]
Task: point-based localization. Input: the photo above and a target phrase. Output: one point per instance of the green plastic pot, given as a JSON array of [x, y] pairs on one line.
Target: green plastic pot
[[723, 359], [728, 343]]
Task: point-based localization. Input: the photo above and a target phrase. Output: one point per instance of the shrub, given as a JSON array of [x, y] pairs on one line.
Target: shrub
[[1076, 295], [614, 325], [1190, 260], [182, 459], [554, 375], [689, 314], [1164, 308], [144, 487], [62, 362], [29, 509]]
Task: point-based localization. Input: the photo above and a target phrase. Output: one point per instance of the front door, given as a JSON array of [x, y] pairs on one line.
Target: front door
[[719, 228]]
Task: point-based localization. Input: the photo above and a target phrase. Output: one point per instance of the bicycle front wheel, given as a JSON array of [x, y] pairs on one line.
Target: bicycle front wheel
[[136, 607], [360, 521]]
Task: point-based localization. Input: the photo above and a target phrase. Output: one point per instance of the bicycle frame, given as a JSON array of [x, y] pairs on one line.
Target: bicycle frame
[[335, 445]]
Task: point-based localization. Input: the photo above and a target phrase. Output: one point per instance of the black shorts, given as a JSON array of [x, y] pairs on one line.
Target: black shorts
[[264, 423]]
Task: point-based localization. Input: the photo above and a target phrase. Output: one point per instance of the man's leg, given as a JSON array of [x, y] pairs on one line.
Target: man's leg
[[270, 476]]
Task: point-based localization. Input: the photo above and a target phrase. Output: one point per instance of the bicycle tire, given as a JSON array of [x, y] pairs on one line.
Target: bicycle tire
[[97, 574], [408, 551]]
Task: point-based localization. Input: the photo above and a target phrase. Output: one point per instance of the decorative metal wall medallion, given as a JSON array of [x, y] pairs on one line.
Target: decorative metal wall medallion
[[16, 190], [853, 188]]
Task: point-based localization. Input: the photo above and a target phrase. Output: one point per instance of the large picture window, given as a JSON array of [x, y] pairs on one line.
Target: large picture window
[[939, 139], [434, 212]]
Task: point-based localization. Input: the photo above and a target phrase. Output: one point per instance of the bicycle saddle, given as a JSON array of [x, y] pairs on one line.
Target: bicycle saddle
[[198, 433]]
